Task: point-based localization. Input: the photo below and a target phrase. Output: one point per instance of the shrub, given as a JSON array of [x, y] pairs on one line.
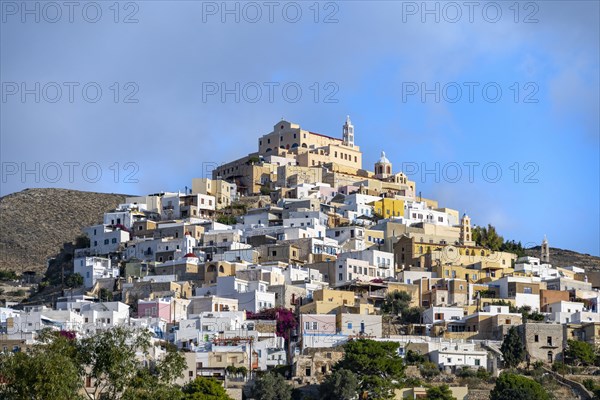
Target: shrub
[[429, 370], [589, 384]]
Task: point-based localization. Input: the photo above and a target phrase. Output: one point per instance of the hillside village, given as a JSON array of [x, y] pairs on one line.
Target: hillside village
[[285, 255]]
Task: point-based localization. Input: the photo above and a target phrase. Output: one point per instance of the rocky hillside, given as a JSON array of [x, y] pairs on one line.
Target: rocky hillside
[[565, 258], [34, 223]]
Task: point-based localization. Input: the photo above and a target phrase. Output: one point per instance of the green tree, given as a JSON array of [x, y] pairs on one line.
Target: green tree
[[440, 393], [412, 357], [511, 386], [41, 373], [271, 387], [105, 295], [74, 280], [227, 219], [203, 388], [487, 237], [340, 385], [512, 348], [377, 365], [513, 247], [109, 359], [58, 366], [82, 242], [580, 352], [398, 303]]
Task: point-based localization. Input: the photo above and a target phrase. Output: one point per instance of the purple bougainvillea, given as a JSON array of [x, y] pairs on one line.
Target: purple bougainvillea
[[286, 320], [68, 334]]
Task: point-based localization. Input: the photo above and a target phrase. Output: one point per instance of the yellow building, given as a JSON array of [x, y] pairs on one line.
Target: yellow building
[[388, 207], [417, 252], [374, 237], [288, 137], [326, 301], [218, 188], [409, 288]]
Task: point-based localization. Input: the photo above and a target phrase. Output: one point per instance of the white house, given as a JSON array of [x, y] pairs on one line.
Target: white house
[[564, 311], [102, 316], [434, 315], [94, 268], [454, 355], [105, 239]]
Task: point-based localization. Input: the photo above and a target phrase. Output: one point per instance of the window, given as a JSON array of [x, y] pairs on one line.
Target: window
[[527, 290], [307, 325], [477, 362], [315, 325], [349, 325], [549, 340]]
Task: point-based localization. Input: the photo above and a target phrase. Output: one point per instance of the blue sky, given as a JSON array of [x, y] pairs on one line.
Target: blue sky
[[367, 59]]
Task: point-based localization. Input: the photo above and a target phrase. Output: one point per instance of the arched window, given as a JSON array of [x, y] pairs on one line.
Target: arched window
[[268, 150], [211, 268], [221, 269]]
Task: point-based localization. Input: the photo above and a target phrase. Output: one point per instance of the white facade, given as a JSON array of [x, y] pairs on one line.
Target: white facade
[[563, 311], [416, 212], [411, 277], [105, 239], [178, 205], [442, 314], [94, 268], [532, 265], [319, 331], [40, 317], [459, 355], [356, 205], [360, 324], [102, 316]]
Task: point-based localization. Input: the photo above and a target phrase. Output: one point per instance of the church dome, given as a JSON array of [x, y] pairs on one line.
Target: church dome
[[383, 159]]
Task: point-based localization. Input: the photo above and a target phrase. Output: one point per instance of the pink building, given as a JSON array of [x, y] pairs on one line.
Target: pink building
[[158, 308]]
